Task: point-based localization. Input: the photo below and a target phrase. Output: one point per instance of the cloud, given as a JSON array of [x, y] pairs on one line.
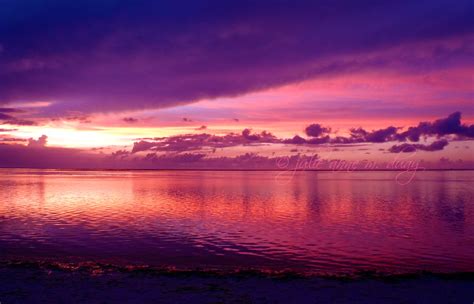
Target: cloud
[[203, 127], [21, 156], [120, 154], [142, 145], [446, 126], [185, 158], [16, 155], [12, 139], [118, 55], [11, 120], [130, 120], [296, 140], [196, 150], [405, 147], [186, 142], [20, 122], [264, 136], [10, 110], [450, 125], [316, 130], [377, 136], [320, 140], [38, 143], [5, 116]]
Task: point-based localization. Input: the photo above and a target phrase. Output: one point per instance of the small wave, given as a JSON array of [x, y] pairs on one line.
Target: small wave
[[95, 269]]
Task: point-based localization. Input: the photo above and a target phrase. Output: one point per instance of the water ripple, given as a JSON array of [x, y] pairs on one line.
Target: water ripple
[[319, 222]]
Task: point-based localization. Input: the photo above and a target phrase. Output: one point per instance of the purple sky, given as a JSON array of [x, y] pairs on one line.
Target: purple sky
[[234, 84]]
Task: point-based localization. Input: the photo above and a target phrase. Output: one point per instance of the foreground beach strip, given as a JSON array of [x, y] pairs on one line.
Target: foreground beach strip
[[37, 282]]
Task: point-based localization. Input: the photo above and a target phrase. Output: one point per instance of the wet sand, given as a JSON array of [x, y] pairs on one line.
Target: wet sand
[[37, 283]]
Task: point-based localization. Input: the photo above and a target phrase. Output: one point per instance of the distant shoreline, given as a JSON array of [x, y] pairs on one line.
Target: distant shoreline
[[236, 170]]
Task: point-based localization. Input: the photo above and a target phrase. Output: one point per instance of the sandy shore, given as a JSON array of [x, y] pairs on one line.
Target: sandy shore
[[35, 283]]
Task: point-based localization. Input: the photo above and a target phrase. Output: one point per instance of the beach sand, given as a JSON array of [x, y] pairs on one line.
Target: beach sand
[[37, 283]]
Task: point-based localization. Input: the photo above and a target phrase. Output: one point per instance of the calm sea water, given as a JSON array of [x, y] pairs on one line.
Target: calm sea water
[[318, 222]]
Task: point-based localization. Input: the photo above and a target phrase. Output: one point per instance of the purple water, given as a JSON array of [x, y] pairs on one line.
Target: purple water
[[316, 222]]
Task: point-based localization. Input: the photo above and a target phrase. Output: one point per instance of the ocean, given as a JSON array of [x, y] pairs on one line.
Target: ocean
[[317, 223]]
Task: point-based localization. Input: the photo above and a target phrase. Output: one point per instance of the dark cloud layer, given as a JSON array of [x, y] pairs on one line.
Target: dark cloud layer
[[130, 119], [450, 125], [316, 130], [377, 136], [195, 150], [187, 142], [446, 126], [21, 156], [6, 118], [317, 135], [15, 155], [115, 55], [405, 147]]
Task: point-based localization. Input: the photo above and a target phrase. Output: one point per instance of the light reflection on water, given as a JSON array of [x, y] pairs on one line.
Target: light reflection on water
[[329, 222]]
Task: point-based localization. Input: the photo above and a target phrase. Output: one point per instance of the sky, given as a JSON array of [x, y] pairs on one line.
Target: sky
[[236, 84]]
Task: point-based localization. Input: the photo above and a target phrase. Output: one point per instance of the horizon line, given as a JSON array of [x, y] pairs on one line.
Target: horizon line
[[270, 170]]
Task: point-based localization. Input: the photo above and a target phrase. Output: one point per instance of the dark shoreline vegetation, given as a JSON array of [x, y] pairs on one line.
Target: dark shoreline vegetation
[[90, 282]]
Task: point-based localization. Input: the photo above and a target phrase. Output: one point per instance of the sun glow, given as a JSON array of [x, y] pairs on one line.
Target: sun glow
[[72, 137]]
